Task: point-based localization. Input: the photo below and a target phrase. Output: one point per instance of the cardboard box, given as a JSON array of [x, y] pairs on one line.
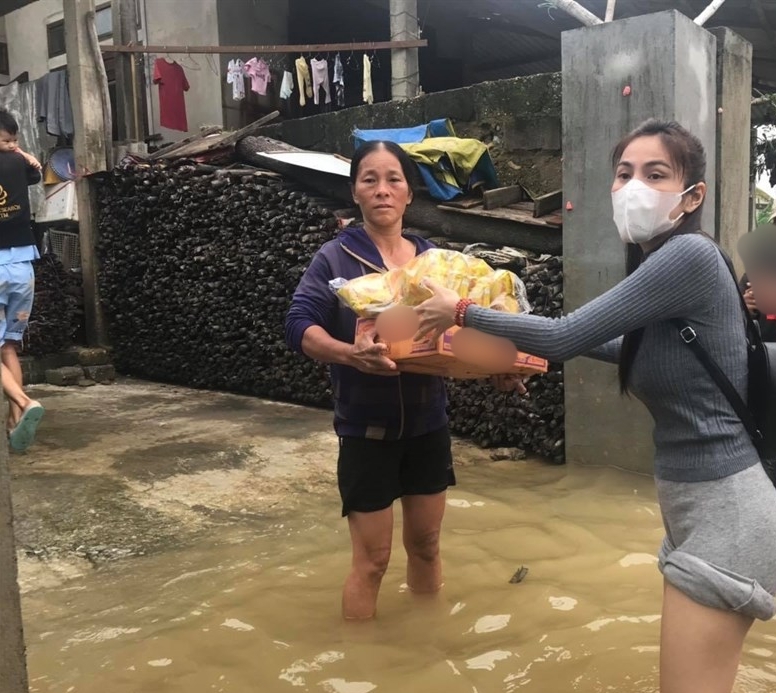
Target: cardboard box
[[435, 357]]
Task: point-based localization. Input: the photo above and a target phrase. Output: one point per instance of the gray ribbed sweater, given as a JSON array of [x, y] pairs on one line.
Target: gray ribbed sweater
[[697, 434]]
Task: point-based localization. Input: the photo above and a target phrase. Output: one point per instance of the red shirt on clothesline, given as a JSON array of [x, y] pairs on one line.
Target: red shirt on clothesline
[[172, 103]]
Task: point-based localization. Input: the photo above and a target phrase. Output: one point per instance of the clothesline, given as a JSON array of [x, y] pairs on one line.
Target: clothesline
[[295, 48]]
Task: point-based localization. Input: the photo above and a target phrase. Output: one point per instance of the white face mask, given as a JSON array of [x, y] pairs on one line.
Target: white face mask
[[641, 213]]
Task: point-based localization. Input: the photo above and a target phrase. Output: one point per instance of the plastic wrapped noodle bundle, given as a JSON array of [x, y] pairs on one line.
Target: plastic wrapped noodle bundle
[[468, 276]]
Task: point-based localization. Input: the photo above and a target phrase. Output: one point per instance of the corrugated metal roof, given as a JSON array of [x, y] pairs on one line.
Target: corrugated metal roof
[[519, 37]]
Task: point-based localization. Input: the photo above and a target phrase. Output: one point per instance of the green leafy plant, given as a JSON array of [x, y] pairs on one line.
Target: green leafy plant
[[764, 215]]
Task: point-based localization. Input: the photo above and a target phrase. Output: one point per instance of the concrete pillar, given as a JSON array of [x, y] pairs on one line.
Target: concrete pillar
[[405, 76], [669, 64], [13, 666], [734, 122], [89, 147]]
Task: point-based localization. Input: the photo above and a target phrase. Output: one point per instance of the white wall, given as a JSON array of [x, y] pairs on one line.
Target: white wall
[[26, 33], [182, 23]]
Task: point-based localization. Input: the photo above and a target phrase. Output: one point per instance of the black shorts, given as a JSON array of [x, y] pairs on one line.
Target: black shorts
[[372, 474]]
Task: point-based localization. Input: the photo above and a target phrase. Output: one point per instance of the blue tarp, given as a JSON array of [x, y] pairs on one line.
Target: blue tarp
[[436, 128], [438, 177]]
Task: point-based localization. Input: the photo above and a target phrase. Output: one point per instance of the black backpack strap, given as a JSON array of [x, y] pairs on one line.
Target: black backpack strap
[[690, 338]]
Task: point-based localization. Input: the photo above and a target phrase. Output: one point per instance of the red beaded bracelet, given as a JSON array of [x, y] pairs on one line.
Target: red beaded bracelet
[[460, 310]]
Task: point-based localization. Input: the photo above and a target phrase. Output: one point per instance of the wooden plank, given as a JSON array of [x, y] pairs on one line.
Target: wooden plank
[[293, 48], [196, 147], [467, 228], [203, 145], [465, 202], [508, 214], [501, 197], [550, 202], [233, 137], [526, 206], [159, 153]]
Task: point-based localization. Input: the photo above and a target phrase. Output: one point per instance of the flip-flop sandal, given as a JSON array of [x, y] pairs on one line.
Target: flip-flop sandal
[[24, 434]]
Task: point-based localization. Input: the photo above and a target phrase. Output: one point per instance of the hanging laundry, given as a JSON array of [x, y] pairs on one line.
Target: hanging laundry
[[260, 76], [235, 75], [303, 77], [287, 85], [52, 95], [369, 96], [320, 79], [339, 82], [172, 103]]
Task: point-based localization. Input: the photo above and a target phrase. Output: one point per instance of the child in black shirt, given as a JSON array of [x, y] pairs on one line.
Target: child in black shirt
[[18, 170]]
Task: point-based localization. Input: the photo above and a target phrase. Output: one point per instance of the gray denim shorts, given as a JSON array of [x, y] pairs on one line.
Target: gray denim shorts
[[720, 544]]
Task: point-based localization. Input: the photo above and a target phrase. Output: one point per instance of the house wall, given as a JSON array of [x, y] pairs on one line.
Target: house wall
[[182, 23], [179, 22]]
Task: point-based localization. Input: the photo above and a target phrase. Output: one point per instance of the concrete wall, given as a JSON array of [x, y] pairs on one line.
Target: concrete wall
[[243, 23], [519, 118], [182, 23], [734, 77], [670, 65], [13, 669], [3, 77]]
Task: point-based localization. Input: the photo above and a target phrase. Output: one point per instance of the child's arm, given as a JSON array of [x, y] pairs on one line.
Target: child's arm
[[33, 168], [30, 159]]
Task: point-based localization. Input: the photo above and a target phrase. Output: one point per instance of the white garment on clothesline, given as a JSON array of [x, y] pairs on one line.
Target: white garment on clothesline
[[287, 85], [368, 94], [320, 70], [339, 81], [235, 76]]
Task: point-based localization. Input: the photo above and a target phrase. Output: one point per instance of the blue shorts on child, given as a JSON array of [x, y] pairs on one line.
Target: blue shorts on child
[[17, 289]]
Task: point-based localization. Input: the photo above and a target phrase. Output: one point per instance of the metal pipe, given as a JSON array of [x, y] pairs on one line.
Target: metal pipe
[[708, 13], [610, 10], [578, 12]]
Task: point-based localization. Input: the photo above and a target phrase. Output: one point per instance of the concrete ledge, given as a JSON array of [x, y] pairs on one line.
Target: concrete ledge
[[524, 110]]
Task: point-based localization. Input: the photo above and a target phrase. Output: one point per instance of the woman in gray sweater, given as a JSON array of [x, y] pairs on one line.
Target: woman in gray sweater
[[718, 558]]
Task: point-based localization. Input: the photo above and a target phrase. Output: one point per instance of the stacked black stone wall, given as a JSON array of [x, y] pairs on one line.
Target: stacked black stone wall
[[198, 270]]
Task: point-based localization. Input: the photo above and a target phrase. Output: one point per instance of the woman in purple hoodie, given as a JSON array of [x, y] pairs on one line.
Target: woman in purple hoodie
[[394, 439]]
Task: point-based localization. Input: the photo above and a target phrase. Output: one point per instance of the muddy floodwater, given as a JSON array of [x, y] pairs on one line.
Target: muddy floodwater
[[202, 550]]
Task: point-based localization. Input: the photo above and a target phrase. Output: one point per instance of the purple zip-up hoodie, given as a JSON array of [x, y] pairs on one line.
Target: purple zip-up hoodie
[[365, 406]]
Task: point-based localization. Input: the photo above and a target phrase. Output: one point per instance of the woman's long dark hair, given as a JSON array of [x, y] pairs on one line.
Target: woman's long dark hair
[[689, 157]]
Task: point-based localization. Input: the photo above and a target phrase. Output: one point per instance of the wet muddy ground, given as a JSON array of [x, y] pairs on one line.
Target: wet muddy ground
[[174, 540]]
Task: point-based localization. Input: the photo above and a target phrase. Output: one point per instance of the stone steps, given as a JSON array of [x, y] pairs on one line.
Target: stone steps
[[75, 366]]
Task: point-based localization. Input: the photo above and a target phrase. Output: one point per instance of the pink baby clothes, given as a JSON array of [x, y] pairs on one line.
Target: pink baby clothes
[[320, 79], [260, 75]]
